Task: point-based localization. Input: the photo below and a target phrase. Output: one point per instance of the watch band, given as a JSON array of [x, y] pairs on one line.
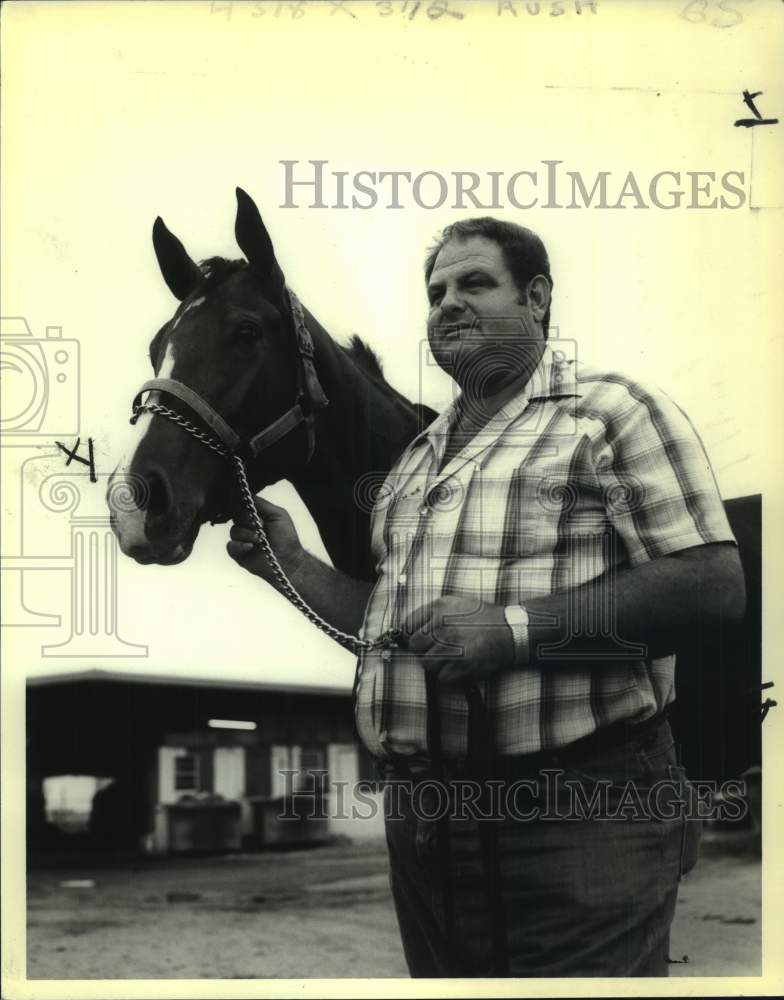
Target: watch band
[[517, 620]]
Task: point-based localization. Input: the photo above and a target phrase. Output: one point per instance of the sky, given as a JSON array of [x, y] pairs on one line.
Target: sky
[[115, 114]]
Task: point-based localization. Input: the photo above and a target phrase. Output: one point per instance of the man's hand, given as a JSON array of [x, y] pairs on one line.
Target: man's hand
[[338, 598], [281, 533], [460, 638]]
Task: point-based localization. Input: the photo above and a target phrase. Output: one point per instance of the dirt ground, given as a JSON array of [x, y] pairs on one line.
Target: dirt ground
[[323, 912]]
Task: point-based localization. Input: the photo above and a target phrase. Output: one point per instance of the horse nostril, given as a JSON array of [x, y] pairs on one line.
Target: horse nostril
[[159, 500]]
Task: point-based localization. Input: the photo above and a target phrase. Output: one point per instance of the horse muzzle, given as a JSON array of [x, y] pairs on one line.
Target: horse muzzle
[[150, 526]]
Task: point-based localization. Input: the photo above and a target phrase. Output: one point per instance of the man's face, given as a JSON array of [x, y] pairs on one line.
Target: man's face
[[480, 330]]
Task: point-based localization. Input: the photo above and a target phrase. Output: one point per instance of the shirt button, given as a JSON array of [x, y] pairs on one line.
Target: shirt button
[[403, 578], [424, 511]]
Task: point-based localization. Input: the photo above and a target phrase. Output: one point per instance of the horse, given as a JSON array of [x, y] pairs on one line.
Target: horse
[[241, 358]]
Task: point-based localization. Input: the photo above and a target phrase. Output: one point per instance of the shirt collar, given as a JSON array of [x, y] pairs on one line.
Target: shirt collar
[[553, 377]]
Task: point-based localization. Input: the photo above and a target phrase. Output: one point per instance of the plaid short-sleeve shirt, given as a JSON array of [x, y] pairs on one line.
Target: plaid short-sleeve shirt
[[581, 473]]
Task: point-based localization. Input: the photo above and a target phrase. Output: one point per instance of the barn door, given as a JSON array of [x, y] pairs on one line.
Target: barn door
[[229, 772]]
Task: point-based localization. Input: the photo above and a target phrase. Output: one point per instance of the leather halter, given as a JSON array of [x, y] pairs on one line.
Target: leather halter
[[310, 396]]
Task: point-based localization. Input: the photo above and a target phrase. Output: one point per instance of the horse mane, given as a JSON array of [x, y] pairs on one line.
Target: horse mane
[[367, 361], [364, 357]]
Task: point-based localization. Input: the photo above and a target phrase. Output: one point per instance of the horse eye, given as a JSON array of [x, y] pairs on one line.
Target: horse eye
[[247, 333]]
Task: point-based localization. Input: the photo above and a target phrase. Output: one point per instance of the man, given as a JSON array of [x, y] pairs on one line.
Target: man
[[543, 548]]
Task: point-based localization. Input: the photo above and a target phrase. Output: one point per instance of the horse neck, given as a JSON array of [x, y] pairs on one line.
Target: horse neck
[[360, 434]]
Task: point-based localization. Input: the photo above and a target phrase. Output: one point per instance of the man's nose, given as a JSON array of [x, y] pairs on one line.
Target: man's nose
[[451, 304]]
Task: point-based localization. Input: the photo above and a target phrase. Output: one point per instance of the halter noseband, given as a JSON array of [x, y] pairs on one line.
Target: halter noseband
[[310, 396]]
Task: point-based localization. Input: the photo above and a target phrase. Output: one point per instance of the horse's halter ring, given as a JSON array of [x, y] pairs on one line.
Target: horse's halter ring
[[229, 444]]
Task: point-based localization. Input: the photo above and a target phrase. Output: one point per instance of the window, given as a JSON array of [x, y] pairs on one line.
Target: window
[[186, 773]]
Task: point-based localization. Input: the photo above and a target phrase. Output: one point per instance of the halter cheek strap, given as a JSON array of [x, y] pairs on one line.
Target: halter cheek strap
[[310, 395], [311, 387]]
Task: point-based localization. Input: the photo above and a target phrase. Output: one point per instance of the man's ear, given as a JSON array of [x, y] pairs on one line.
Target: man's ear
[[538, 292]]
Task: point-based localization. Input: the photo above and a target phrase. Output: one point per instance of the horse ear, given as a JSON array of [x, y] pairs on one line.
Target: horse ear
[[179, 272], [254, 241]]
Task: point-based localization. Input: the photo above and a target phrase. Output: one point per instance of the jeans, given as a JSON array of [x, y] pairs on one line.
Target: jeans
[[580, 893]]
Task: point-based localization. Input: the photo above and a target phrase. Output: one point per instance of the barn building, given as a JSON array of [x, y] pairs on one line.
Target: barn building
[[198, 764]]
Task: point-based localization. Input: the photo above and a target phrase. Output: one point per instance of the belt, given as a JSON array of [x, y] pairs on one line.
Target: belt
[[512, 766]]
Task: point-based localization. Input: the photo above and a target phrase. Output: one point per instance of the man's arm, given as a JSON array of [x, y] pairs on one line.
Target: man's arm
[[660, 605], [338, 598]]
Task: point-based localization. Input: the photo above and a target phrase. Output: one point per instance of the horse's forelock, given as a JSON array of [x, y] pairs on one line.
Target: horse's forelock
[[215, 270]]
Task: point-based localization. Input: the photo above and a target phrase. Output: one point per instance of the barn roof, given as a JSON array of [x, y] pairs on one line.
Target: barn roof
[[184, 680]]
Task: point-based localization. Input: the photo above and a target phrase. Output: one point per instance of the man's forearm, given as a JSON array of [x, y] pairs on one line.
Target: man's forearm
[[338, 598], [658, 607]]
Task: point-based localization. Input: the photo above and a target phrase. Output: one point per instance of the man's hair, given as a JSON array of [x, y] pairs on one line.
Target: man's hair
[[523, 251]]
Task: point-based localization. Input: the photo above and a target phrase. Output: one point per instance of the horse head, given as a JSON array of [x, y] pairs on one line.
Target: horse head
[[233, 342]]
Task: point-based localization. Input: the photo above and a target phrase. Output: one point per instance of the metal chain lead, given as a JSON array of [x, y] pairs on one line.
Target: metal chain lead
[[287, 588], [177, 419], [352, 642]]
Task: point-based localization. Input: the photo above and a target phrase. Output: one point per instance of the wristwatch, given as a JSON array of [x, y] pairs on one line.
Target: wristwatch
[[517, 620]]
